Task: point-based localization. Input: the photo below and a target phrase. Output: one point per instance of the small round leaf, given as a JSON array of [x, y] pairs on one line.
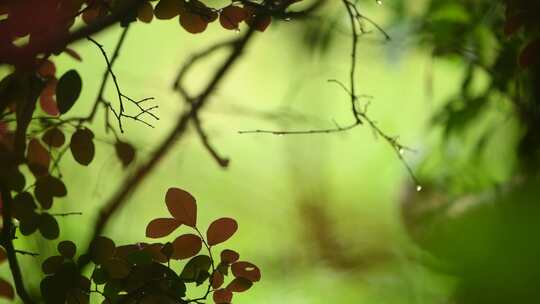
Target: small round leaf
[[186, 246], [221, 230], [239, 284], [222, 296], [68, 90], [48, 226], [82, 146], [161, 227], [182, 206]]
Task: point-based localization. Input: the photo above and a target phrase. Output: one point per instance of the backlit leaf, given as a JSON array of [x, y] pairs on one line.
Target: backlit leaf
[[54, 138], [229, 256], [116, 268], [182, 206], [221, 230], [186, 246], [48, 226], [38, 157], [161, 227], [239, 284], [102, 249], [82, 146], [193, 23], [68, 90], [67, 249], [195, 268], [231, 16], [246, 270], [167, 9], [6, 290], [216, 279], [125, 152], [52, 264], [3, 255], [145, 12], [222, 296]]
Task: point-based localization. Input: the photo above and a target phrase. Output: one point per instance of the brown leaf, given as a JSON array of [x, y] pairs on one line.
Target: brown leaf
[[246, 270], [193, 23], [221, 230], [125, 152], [6, 290], [102, 249], [239, 284], [54, 138], [38, 158], [145, 13], [222, 296], [117, 268], [3, 255], [167, 9], [161, 227], [67, 249], [229, 256], [182, 206], [231, 16], [186, 246], [216, 279], [82, 146]]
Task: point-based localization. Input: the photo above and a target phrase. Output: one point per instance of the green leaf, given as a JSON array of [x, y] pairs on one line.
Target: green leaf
[[196, 268], [68, 90]]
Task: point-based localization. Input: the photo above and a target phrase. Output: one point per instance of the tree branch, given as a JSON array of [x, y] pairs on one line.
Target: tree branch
[[8, 232], [118, 200]]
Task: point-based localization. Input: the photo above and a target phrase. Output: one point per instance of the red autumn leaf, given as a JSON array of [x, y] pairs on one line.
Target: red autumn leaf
[[257, 21], [221, 230], [38, 157], [47, 69], [90, 15], [145, 12], [530, 54], [193, 23], [246, 270], [3, 255], [222, 296], [216, 279], [6, 290], [182, 206], [167, 9], [161, 227], [239, 284], [229, 256], [231, 16], [47, 100], [186, 246]]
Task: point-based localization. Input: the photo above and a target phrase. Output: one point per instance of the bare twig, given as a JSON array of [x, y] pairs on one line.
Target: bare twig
[[121, 113], [359, 116], [118, 200]]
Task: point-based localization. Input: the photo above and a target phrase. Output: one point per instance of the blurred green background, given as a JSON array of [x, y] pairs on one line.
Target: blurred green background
[[321, 215]]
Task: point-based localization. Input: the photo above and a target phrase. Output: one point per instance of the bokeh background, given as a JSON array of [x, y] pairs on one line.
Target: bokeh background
[[321, 215]]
